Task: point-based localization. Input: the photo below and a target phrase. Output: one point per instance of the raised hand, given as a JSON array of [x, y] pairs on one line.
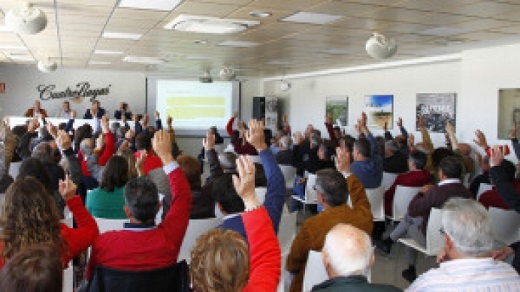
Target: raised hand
[[245, 182], [209, 142], [169, 121], [411, 140], [33, 125], [400, 122], [328, 118], [255, 135], [139, 163], [105, 127], [63, 140], [162, 146], [67, 188], [298, 138], [421, 122], [53, 130], [480, 139], [513, 132], [450, 129], [157, 115], [497, 156]]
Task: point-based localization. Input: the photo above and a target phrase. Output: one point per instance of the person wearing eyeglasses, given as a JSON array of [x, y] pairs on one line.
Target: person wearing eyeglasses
[[466, 262]]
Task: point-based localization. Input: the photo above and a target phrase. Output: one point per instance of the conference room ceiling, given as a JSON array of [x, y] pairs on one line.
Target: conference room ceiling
[[421, 28]]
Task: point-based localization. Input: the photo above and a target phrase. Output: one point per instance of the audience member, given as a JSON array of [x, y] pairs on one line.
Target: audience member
[[348, 256], [415, 222], [241, 146], [229, 202], [29, 216], [202, 203], [368, 163], [107, 200], [142, 245], [395, 159], [36, 268], [36, 111], [417, 176], [285, 152], [333, 194], [222, 261], [465, 259], [492, 198], [482, 178], [143, 144]]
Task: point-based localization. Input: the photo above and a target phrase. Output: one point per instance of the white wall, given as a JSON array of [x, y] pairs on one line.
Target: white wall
[[21, 83], [476, 78]]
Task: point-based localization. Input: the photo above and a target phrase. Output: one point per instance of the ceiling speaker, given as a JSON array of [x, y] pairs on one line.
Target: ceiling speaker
[[380, 47], [26, 19], [227, 74], [47, 66]]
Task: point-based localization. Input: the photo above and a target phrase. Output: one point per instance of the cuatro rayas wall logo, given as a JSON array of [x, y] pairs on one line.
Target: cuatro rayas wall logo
[[81, 91]]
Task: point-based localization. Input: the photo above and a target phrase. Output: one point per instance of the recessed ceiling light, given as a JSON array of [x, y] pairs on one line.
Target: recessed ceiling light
[[200, 42], [11, 47], [197, 58], [238, 44], [107, 52], [99, 63], [312, 18], [144, 60], [122, 35], [20, 57], [336, 51], [278, 62], [162, 5], [261, 14], [206, 24], [443, 31]]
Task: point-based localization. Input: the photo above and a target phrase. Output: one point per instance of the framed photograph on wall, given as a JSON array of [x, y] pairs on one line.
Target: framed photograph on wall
[[436, 108], [508, 111], [337, 106], [379, 109]]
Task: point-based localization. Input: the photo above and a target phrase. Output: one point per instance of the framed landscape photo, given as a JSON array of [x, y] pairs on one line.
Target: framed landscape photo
[[508, 111], [379, 109], [436, 108], [337, 106]]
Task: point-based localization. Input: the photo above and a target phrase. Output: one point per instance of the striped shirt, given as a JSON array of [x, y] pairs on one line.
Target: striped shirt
[[465, 275]]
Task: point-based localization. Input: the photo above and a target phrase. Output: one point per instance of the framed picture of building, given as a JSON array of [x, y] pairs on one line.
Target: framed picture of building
[[337, 106], [436, 108], [508, 111], [379, 109]]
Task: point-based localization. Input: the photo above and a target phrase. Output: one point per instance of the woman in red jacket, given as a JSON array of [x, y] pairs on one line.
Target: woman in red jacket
[[30, 217]]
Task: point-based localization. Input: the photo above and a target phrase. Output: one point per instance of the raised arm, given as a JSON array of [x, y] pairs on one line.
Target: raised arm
[[427, 141], [514, 140], [274, 197], [215, 171], [330, 129], [499, 177], [229, 126], [110, 144]]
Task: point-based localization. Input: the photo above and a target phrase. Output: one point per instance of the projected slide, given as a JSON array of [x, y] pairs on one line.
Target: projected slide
[[195, 105]]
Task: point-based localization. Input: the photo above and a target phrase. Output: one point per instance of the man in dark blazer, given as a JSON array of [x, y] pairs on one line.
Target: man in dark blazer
[[95, 111]]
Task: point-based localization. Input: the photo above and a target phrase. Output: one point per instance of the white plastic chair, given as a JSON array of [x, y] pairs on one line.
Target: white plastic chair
[[105, 225], [315, 272], [482, 188], [465, 179], [14, 169], [376, 199], [388, 180], [260, 194], [311, 195], [196, 227], [505, 225], [289, 174], [287, 231], [255, 159], [402, 197], [434, 240], [68, 278]]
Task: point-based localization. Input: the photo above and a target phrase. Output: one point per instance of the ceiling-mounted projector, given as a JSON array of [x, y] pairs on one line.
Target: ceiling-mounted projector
[[47, 66], [26, 19], [380, 47], [227, 74], [206, 78]]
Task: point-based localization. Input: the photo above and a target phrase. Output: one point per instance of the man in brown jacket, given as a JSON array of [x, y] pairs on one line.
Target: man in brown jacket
[[333, 194]]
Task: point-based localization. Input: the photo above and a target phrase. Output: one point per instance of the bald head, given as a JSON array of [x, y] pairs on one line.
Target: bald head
[[347, 251]]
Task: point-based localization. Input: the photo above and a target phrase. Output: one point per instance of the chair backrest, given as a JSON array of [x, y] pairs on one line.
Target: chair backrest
[[376, 199], [434, 240], [196, 227], [465, 179], [315, 272], [255, 159], [260, 194], [105, 225], [14, 169], [388, 180], [402, 197], [483, 187], [172, 278], [219, 148], [505, 225], [311, 195], [289, 173], [68, 278], [287, 230]]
